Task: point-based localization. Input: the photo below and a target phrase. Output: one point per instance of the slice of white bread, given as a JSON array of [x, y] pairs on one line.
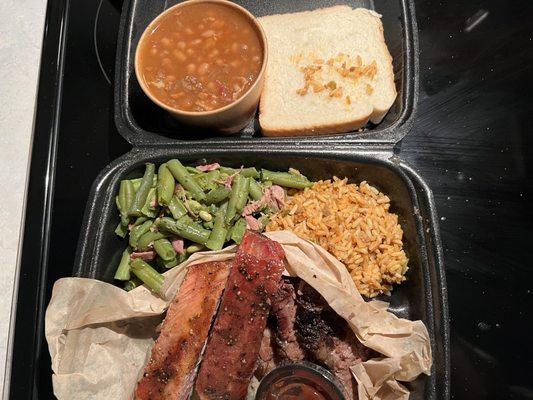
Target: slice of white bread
[[342, 53]]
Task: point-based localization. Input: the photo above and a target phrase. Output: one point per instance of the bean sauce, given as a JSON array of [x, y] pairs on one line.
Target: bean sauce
[[200, 57]]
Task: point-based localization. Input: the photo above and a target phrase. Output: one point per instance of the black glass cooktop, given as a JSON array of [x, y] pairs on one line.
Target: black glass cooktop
[[471, 141]]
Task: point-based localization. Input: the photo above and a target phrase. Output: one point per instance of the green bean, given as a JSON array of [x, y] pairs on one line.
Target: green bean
[[206, 180], [193, 170], [185, 229], [238, 197], [176, 207], [228, 170], [138, 221], [164, 249], [165, 185], [152, 278], [194, 248], [148, 239], [168, 264], [185, 179], [217, 195], [243, 197], [250, 172], [132, 284], [121, 230], [256, 191], [238, 230], [266, 184], [126, 194], [123, 271], [137, 182], [138, 231], [218, 234], [142, 192], [150, 207], [285, 179], [229, 233]]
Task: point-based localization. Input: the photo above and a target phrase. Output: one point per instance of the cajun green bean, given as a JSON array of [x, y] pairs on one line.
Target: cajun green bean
[[143, 271], [286, 179], [217, 195], [165, 185], [126, 194], [186, 230], [123, 270], [132, 284], [185, 179], [142, 192], [238, 197], [256, 191], [218, 234], [176, 207], [164, 249], [148, 239], [238, 230], [138, 231]]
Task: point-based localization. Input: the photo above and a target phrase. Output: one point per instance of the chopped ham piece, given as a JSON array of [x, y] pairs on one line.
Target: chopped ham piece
[[251, 208], [177, 244], [229, 182], [252, 223], [208, 167], [144, 255], [273, 198]]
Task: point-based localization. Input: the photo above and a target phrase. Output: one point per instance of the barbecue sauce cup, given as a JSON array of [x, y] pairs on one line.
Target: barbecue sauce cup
[[204, 62], [299, 381]]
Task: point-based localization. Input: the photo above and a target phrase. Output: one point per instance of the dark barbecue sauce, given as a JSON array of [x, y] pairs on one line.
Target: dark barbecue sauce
[[295, 391]]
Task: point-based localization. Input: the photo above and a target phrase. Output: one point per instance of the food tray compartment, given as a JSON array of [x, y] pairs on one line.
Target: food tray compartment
[[422, 296], [141, 122]]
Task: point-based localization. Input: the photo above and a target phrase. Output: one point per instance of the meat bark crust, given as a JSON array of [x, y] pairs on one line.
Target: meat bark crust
[[328, 339], [176, 353], [233, 348]]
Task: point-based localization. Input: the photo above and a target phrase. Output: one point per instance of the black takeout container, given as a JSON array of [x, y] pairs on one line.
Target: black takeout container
[[422, 296], [363, 156], [142, 122]]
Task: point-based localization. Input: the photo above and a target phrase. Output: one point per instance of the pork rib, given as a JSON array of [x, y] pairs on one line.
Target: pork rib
[[233, 347], [176, 353]]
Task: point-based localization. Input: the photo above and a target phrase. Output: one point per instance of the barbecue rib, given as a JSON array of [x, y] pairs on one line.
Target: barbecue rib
[[233, 347], [176, 353]]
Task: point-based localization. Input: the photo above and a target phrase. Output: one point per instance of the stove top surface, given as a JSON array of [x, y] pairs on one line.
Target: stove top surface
[[470, 142]]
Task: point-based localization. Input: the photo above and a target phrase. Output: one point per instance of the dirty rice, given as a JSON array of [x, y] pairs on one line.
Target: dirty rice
[[354, 224]]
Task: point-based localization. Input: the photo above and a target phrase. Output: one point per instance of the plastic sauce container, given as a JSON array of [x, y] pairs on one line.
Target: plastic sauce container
[[299, 381]]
